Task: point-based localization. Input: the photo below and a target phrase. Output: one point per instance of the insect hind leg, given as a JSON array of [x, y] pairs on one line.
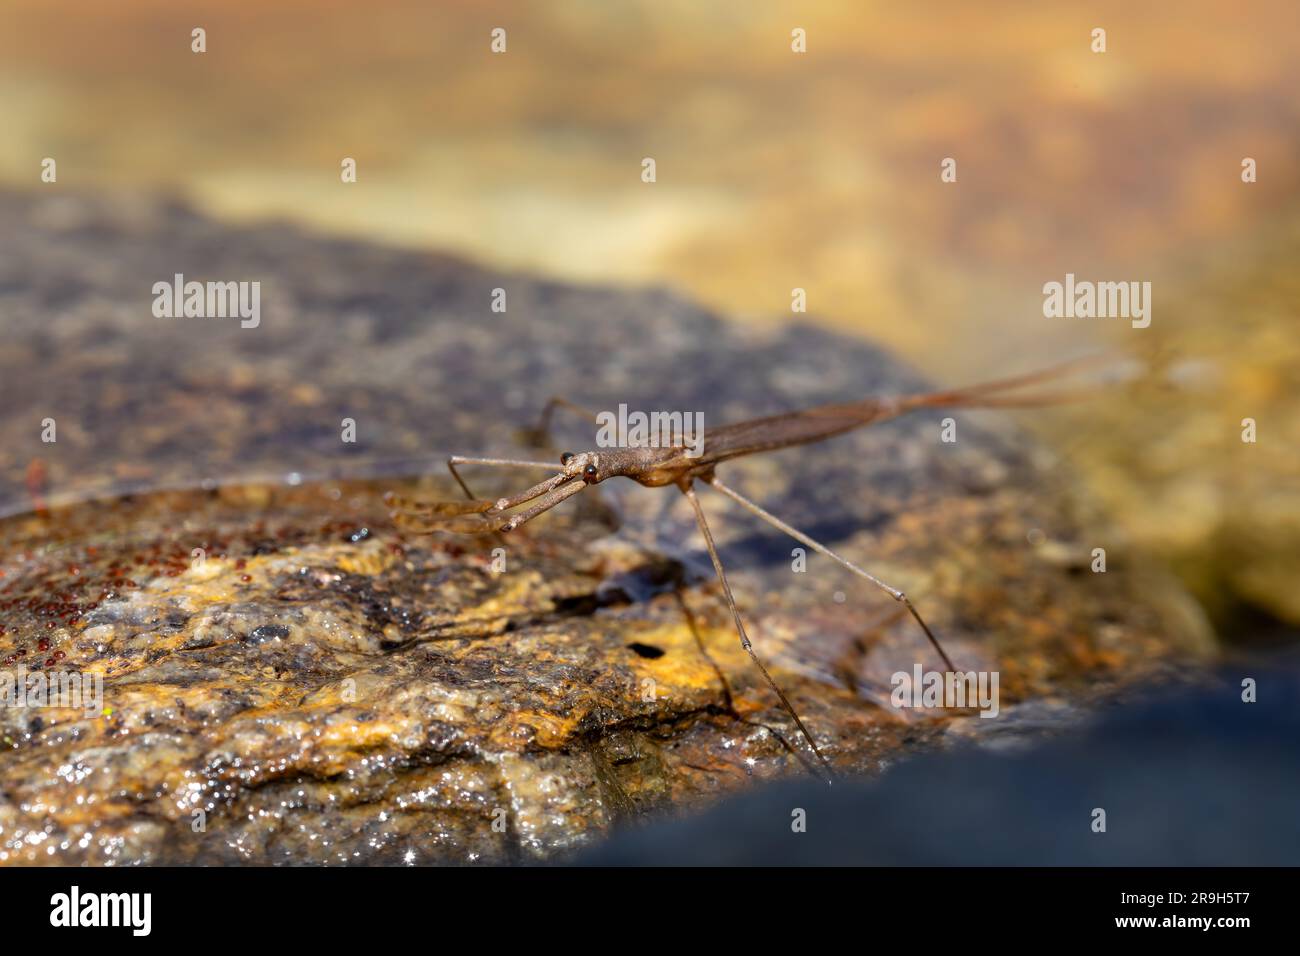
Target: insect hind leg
[[799, 536]]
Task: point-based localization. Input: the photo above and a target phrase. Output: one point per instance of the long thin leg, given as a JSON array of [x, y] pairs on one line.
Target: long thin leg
[[455, 460], [414, 515], [740, 625], [544, 503], [500, 462], [540, 435], [798, 535], [494, 519], [704, 651], [417, 505]]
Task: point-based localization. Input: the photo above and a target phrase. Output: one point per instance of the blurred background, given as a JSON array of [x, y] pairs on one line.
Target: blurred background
[[778, 170]]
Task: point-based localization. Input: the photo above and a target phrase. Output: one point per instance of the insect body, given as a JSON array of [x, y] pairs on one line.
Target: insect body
[[672, 465]]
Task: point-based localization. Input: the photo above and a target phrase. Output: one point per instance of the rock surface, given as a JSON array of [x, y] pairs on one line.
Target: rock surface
[[313, 685]]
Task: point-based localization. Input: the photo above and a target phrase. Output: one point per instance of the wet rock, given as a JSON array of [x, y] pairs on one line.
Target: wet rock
[[268, 632], [287, 677]]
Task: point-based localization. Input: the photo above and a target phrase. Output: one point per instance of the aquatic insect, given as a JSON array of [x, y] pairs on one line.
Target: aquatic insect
[[682, 467]]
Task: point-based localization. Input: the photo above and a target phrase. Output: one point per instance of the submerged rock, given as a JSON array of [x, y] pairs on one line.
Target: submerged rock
[[289, 678]]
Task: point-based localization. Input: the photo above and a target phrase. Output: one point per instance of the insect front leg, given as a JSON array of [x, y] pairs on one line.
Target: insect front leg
[[539, 436], [455, 460]]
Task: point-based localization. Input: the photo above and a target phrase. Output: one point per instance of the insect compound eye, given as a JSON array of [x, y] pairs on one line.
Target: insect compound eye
[[589, 471], [566, 458]]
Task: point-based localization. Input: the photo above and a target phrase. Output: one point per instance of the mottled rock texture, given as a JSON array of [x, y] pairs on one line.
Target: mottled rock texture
[[288, 678]]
